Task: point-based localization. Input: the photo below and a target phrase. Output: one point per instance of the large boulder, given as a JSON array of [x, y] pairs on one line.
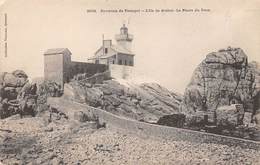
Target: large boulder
[[17, 95], [174, 120], [17, 78], [222, 78]]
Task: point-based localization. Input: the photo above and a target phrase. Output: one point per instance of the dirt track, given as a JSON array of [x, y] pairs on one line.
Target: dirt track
[[35, 141]]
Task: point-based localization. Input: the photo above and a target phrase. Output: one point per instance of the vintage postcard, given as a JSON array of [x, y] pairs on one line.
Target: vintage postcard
[[129, 82]]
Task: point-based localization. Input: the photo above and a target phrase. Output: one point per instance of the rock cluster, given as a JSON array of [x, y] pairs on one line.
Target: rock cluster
[[50, 88], [147, 102], [17, 95], [221, 79]]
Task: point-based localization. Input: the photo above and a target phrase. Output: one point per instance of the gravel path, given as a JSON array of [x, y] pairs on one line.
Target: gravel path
[[33, 140]]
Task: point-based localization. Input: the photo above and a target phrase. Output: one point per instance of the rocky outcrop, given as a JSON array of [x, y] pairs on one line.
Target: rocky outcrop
[[222, 78], [146, 102], [17, 95], [16, 79]]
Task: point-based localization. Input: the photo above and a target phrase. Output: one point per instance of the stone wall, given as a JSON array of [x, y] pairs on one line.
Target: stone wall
[[97, 78], [164, 132], [89, 68]]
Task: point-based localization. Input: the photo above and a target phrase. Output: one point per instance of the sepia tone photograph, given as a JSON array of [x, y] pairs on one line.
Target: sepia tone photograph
[[158, 82]]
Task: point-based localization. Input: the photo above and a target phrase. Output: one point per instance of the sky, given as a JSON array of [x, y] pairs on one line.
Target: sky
[[168, 46]]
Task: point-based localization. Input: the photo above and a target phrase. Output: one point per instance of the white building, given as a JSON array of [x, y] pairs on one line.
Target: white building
[[120, 53]]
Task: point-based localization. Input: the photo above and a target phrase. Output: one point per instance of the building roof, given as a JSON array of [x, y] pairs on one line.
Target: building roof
[[116, 48], [57, 51], [105, 56], [121, 49]]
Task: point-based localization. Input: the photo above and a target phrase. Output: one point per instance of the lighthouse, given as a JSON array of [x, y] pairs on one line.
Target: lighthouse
[[124, 39], [118, 54]]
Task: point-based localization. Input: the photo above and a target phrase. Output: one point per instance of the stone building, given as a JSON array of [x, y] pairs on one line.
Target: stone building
[[119, 54], [56, 65], [59, 68]]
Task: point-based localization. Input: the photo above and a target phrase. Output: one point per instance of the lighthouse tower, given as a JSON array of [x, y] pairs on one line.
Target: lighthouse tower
[[124, 39]]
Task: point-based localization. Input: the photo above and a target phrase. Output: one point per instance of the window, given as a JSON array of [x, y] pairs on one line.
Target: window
[[120, 62], [106, 50], [113, 61], [130, 63], [125, 62]]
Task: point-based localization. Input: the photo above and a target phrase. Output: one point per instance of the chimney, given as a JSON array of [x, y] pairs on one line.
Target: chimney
[[107, 43]]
